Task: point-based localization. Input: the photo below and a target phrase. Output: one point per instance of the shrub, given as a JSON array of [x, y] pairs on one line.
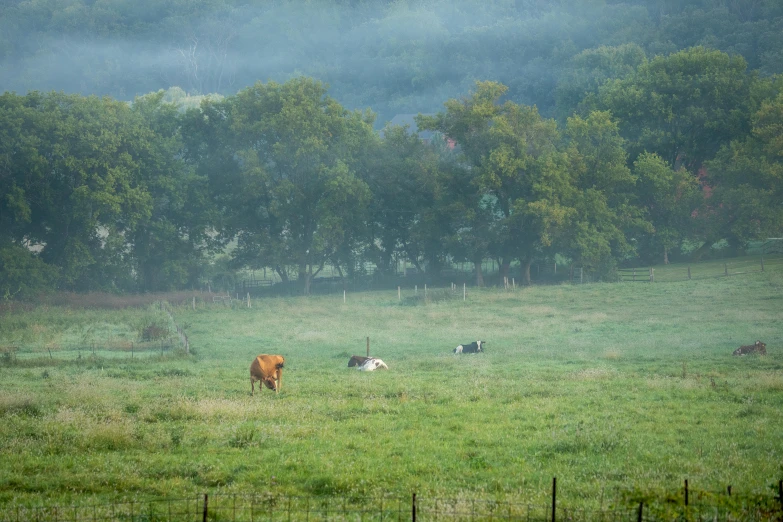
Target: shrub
[[154, 332]]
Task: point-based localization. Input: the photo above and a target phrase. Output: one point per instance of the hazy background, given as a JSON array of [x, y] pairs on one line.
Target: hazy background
[[391, 56]]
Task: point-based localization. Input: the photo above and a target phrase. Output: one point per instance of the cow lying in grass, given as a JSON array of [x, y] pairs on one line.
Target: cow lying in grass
[[268, 369], [758, 347], [474, 347], [366, 364]]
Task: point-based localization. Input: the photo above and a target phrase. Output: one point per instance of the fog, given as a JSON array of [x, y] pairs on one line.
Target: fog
[[394, 57]]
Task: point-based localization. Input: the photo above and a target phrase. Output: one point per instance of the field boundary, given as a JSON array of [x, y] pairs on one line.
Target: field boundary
[[690, 505], [699, 271]]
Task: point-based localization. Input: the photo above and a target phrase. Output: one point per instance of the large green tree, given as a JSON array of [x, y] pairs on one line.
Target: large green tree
[[404, 211], [282, 160], [668, 198], [518, 166], [683, 106], [70, 169], [747, 179], [602, 215]]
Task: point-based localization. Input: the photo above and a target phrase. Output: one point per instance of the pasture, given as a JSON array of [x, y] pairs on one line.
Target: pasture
[[619, 390]]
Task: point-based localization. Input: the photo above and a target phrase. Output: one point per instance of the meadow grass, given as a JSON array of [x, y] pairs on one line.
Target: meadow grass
[[619, 390]]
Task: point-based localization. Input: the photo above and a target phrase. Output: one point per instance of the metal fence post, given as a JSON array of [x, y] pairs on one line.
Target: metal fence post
[[205, 508], [686, 492], [641, 511], [554, 497], [413, 508]]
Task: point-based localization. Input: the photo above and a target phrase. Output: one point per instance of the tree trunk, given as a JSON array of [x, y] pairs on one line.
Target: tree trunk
[[505, 269], [479, 275], [282, 273], [308, 278], [700, 252], [304, 276], [526, 270]]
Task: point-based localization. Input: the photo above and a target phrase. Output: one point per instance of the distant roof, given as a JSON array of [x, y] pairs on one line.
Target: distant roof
[[408, 119]]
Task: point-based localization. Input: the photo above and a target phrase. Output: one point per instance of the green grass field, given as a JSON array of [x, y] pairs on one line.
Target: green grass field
[[621, 391]]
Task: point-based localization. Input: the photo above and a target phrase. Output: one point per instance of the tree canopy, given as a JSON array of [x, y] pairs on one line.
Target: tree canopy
[[601, 133]]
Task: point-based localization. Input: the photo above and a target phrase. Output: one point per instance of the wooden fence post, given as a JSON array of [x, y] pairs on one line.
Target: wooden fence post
[[415, 289], [554, 497], [343, 296], [425, 290], [248, 300], [641, 511], [780, 494], [463, 291], [652, 275], [194, 302], [205, 508], [725, 269], [686, 492], [399, 295], [413, 508]]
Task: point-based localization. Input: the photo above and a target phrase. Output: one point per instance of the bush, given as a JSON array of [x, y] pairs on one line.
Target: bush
[[154, 332], [23, 275]]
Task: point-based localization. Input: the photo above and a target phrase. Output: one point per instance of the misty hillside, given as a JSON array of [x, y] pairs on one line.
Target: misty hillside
[[391, 56]]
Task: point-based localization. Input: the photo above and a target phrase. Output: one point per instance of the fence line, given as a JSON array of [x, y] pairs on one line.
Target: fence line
[[45, 354], [699, 271], [270, 506]]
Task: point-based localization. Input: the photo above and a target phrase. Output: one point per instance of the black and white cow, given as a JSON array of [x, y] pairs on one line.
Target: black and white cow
[[474, 347], [366, 364], [759, 348]]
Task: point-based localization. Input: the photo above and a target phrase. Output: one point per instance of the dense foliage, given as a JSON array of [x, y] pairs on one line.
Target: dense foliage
[[601, 132]]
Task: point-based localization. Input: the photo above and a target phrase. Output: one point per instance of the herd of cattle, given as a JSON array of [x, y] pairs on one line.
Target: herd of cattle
[[268, 369]]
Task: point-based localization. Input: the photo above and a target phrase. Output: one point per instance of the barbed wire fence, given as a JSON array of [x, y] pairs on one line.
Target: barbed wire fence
[[688, 506]]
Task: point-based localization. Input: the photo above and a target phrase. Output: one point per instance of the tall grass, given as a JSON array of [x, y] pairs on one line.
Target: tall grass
[[619, 390]]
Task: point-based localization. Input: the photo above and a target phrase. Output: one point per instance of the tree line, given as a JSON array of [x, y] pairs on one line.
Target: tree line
[[100, 194]]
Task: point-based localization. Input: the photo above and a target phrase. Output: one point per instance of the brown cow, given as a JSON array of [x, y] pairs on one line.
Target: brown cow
[[759, 348], [269, 370]]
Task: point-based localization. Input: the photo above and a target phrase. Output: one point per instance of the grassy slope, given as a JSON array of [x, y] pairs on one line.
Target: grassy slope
[[609, 387]]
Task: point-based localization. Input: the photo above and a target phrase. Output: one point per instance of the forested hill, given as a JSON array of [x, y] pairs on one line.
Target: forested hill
[[391, 56]]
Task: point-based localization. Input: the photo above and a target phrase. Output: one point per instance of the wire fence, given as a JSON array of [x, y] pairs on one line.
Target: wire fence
[[273, 507], [696, 271]]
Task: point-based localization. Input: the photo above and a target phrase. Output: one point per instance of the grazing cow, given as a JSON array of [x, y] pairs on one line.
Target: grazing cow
[[268, 369], [759, 348], [474, 347], [366, 364]]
